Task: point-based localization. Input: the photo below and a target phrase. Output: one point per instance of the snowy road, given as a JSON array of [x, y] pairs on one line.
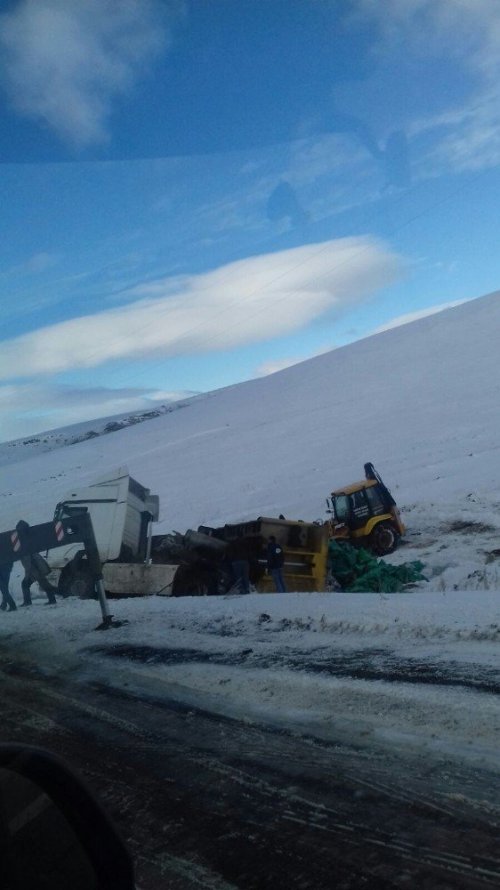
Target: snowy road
[[248, 806], [359, 664], [265, 741]]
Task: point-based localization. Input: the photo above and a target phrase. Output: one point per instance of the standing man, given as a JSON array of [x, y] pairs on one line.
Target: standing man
[[275, 562], [7, 604], [35, 569]]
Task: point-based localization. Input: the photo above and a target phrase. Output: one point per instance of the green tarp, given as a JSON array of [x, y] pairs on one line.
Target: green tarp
[[356, 570]]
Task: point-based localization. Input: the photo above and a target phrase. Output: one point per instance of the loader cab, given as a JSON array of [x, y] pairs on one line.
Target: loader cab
[[355, 505], [366, 513]]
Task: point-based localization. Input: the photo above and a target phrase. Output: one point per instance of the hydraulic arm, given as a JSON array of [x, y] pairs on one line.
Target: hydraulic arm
[[76, 528]]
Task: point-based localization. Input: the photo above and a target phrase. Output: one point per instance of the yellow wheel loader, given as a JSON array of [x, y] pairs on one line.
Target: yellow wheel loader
[[366, 513]]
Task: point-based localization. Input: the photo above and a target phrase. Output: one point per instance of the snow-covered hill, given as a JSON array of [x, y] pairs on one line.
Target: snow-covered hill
[[421, 401]]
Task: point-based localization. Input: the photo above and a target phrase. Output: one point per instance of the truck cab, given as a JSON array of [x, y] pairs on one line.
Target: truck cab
[[122, 512]]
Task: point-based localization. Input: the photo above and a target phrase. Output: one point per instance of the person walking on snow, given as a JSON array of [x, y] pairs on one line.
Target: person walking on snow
[[35, 569], [275, 562], [7, 604]]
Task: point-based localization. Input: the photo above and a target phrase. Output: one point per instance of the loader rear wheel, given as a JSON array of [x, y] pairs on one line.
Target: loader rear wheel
[[383, 539]]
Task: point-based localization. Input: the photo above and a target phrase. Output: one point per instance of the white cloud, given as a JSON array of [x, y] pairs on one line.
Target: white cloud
[[467, 138], [63, 61], [279, 364], [34, 265], [251, 300], [415, 316], [31, 407], [463, 37], [469, 29]]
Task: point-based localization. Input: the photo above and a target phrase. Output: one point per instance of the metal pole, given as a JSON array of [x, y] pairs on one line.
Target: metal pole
[[103, 601], [149, 542], [96, 568]]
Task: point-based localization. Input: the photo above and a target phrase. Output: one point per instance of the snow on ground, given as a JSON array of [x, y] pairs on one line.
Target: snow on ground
[[332, 665], [420, 667]]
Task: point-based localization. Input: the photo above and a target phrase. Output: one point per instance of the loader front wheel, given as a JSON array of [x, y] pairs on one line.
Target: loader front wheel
[[383, 539]]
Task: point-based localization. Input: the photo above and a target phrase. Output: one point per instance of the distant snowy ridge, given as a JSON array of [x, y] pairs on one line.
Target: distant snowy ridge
[[81, 432]]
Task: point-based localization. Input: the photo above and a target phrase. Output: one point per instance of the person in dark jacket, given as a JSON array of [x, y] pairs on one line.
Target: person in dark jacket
[[35, 569], [275, 562], [7, 604]]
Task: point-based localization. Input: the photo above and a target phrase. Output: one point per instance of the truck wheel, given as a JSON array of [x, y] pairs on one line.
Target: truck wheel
[[383, 539], [77, 583]]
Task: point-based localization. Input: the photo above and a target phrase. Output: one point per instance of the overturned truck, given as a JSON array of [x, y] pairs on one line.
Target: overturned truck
[[204, 556], [135, 562]]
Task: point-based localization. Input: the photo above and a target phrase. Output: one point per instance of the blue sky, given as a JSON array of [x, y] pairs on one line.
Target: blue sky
[[196, 193]]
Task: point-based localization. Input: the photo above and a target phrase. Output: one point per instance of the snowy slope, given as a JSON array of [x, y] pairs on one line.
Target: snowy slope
[[420, 401]]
